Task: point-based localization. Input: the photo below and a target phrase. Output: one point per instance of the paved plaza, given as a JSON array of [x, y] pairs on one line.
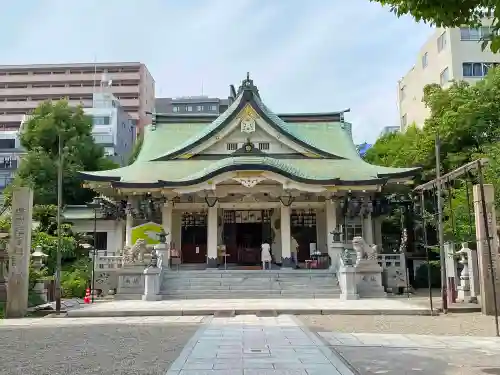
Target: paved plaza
[[387, 306], [240, 345]]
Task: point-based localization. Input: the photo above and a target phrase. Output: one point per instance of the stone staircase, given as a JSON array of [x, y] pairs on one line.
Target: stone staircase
[[238, 284]]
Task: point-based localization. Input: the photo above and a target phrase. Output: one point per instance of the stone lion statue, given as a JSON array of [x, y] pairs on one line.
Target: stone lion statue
[[363, 250], [135, 254]]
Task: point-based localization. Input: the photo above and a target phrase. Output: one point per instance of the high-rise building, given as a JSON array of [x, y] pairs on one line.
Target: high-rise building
[[23, 87], [450, 54], [113, 128]]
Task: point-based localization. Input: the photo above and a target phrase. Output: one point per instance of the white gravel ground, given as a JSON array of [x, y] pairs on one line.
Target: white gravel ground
[[99, 346], [468, 324]]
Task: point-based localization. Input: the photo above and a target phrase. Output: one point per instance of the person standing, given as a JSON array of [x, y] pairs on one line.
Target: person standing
[[265, 255]]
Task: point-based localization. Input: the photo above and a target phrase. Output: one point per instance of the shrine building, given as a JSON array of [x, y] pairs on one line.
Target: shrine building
[[248, 176]]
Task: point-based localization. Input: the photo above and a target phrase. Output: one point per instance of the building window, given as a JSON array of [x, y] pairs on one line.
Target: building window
[[476, 34], [175, 109], [441, 42], [264, 146], [213, 108], [102, 120], [477, 69], [7, 143], [424, 60], [404, 121], [101, 239], [231, 146], [199, 108], [353, 230], [444, 77], [189, 108], [402, 93]]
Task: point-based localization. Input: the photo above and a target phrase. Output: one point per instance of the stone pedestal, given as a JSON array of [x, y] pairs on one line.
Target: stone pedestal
[[369, 278], [348, 283], [151, 284], [131, 282], [451, 271], [473, 275], [486, 273], [212, 237], [334, 252], [162, 250]]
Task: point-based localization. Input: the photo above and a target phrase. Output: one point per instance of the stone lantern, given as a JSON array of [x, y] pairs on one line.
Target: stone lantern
[[464, 294], [335, 249], [37, 258]]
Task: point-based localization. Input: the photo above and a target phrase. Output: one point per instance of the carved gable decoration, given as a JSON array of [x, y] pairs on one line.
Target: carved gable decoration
[[249, 182], [247, 118]]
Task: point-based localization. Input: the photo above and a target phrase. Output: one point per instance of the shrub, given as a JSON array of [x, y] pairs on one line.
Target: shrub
[[421, 276]]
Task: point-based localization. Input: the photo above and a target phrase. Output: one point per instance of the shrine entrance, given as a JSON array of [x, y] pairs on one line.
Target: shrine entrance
[[244, 233], [303, 229], [194, 237]]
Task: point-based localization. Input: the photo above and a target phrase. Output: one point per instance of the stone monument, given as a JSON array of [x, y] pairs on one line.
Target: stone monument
[[483, 256], [131, 275], [19, 253]]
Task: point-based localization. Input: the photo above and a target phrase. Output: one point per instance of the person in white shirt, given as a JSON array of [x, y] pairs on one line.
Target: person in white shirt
[[265, 255]]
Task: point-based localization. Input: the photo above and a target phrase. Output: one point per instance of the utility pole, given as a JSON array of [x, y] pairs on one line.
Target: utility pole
[[59, 213], [442, 254]]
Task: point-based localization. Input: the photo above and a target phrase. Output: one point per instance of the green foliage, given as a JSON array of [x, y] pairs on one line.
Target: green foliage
[[50, 123], [466, 118], [137, 148], [421, 276], [76, 278], [2, 310], [450, 13]]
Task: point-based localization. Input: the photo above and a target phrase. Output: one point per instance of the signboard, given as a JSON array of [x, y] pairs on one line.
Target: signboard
[[19, 252]]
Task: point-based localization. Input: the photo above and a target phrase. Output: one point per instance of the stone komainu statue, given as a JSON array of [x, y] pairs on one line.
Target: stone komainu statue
[[135, 254], [363, 250]]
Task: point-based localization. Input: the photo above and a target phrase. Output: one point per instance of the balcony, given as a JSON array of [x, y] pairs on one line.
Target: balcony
[[89, 77], [63, 91]]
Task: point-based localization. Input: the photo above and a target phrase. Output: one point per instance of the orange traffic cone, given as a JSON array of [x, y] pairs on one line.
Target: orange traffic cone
[[86, 299]]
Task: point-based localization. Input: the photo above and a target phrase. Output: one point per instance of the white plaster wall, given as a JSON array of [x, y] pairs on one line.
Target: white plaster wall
[[115, 239], [259, 136]]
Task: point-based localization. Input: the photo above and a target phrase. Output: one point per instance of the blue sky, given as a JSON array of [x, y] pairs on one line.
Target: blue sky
[[305, 56]]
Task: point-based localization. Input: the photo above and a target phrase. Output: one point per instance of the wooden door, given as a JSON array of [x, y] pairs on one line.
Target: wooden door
[[303, 229], [194, 238]]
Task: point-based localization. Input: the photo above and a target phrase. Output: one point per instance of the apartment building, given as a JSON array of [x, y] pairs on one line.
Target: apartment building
[[389, 129], [10, 154], [113, 128], [23, 87], [191, 105], [450, 54]]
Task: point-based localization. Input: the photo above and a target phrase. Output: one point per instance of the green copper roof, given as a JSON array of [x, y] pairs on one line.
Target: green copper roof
[[158, 165]]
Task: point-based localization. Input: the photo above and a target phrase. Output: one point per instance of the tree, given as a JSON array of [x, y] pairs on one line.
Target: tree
[[40, 138], [450, 13], [137, 148], [466, 117]]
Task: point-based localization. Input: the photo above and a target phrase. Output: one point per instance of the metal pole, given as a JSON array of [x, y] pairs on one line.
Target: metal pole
[[59, 213], [94, 255], [429, 273], [442, 254], [488, 241]]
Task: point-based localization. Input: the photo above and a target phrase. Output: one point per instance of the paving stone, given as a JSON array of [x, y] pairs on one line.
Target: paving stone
[[251, 345]]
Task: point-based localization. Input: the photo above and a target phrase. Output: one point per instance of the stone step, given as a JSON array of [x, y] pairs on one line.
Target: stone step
[[169, 287], [246, 274], [251, 294]]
